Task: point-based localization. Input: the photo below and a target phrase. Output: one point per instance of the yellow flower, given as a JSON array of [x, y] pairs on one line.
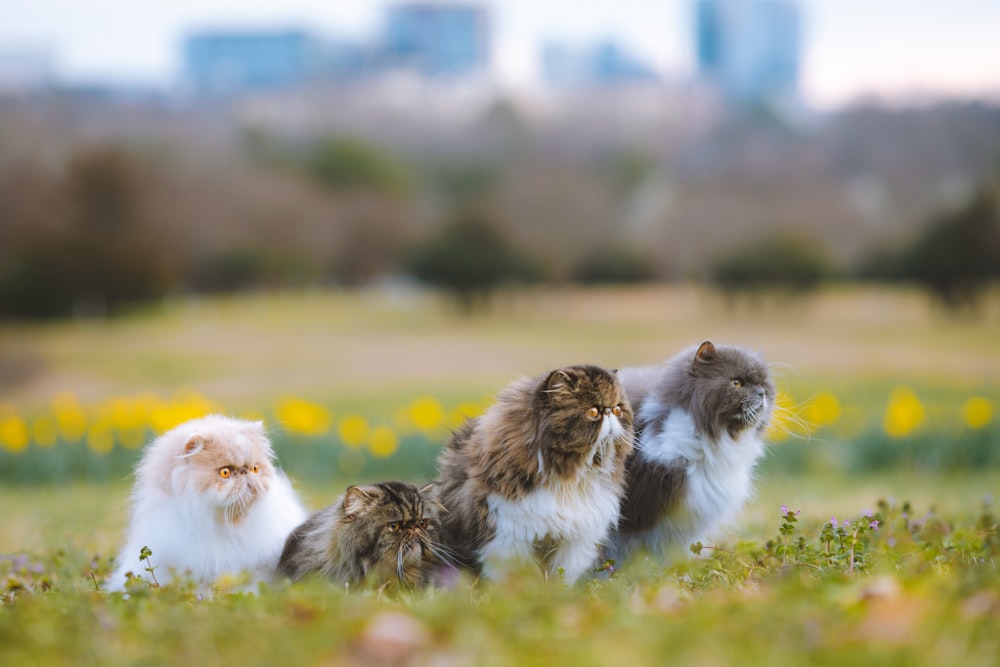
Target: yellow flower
[[426, 414], [130, 417], [303, 417], [185, 406], [44, 431], [353, 430], [785, 421], [13, 433], [823, 410], [904, 414], [70, 417], [977, 412], [100, 438], [384, 442], [463, 412]]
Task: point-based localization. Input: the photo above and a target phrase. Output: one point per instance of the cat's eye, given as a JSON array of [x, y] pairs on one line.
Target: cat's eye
[[422, 523], [255, 468], [737, 382], [593, 413], [617, 411], [225, 472], [394, 526]]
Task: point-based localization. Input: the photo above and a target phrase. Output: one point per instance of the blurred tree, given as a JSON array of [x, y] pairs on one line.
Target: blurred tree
[[347, 163], [469, 257], [627, 169], [463, 182], [101, 251], [786, 262], [959, 253], [374, 232], [250, 265], [614, 265]]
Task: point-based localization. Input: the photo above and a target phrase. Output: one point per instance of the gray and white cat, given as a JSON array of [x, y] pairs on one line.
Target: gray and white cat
[[701, 419]]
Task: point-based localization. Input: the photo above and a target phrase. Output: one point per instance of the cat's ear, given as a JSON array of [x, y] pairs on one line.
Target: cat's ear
[[429, 491], [357, 498], [562, 378], [706, 352], [195, 443]]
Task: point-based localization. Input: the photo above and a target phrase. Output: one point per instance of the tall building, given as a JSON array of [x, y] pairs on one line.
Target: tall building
[[601, 64], [232, 61], [750, 49], [437, 38]]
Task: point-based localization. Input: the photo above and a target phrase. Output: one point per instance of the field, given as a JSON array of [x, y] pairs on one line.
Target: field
[[888, 409]]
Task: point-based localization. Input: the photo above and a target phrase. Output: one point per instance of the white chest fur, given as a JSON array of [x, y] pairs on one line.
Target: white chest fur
[[187, 534], [719, 479], [576, 515]]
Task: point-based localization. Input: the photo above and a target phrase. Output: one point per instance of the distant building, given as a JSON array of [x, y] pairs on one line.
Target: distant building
[[600, 65], [25, 70], [226, 62], [437, 38], [750, 49]]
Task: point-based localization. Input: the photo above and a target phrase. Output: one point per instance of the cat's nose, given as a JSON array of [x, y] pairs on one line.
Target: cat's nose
[[759, 392], [607, 411]]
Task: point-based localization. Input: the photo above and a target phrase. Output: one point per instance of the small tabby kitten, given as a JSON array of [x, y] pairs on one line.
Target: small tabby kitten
[[374, 534], [701, 420], [208, 501], [543, 470]]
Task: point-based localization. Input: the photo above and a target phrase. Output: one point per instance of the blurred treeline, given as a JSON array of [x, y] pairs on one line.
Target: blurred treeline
[[105, 202]]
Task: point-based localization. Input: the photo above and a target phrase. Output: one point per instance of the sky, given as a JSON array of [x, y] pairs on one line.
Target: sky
[[853, 48]]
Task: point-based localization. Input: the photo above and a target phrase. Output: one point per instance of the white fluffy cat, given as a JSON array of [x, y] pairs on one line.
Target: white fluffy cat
[[208, 502]]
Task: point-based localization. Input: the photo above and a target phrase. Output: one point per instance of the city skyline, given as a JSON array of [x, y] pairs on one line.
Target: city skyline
[[851, 48]]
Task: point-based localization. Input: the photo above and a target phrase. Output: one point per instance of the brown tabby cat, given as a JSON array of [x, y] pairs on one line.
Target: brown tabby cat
[[373, 534], [543, 468]]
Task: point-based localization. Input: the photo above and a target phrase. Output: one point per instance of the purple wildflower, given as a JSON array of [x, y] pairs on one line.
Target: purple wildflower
[[784, 509], [847, 524], [833, 521], [874, 524]]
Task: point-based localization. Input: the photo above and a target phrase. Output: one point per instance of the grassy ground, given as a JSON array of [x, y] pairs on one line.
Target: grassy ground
[[86, 517], [923, 589]]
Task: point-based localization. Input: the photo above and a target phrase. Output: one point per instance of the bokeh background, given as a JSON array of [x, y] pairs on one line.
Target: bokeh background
[[357, 221]]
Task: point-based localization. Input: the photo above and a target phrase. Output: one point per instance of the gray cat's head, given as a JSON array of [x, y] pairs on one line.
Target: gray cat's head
[[727, 389]]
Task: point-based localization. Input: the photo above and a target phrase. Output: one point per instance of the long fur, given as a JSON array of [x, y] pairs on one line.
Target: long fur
[[538, 472], [198, 524], [351, 541], [699, 437]]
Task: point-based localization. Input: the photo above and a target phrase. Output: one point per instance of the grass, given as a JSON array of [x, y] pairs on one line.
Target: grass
[[924, 589]]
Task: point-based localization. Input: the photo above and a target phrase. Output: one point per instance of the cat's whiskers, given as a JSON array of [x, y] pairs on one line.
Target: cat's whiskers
[[442, 552]]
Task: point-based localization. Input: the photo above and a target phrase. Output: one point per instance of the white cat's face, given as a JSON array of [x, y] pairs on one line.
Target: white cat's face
[[228, 464]]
